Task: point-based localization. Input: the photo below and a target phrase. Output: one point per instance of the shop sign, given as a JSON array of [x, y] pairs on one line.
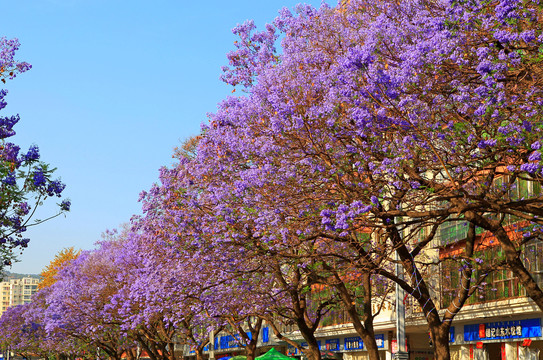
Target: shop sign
[[266, 334], [503, 330], [353, 343], [332, 344], [380, 339], [227, 342], [356, 343], [394, 345]]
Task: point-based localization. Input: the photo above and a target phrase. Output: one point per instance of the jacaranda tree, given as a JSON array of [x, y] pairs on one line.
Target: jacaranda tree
[[25, 181], [80, 303]]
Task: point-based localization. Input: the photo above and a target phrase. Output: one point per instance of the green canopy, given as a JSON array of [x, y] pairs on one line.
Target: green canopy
[[273, 354]]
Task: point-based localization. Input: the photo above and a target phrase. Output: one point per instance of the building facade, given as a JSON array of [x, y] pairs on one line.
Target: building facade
[[17, 292], [498, 322]]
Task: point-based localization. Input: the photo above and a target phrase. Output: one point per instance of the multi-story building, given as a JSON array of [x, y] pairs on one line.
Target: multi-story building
[[4, 296], [17, 292], [498, 322]]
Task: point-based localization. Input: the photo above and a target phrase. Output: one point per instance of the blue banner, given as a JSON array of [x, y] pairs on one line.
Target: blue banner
[[503, 330]]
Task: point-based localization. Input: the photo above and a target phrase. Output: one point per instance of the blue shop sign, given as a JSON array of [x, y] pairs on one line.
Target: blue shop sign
[[265, 334], [503, 330], [332, 344], [228, 342], [356, 343], [353, 343], [380, 340]]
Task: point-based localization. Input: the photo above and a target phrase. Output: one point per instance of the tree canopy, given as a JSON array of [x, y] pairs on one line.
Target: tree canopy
[[63, 258]]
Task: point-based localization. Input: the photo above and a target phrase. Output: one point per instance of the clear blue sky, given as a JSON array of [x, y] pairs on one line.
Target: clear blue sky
[[115, 86]]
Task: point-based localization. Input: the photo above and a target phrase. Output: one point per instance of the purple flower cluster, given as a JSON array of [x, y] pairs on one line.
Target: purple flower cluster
[[33, 154], [38, 178]]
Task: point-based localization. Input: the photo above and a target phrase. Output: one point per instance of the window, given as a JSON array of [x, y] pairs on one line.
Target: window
[[533, 260], [335, 314], [500, 284], [453, 230]]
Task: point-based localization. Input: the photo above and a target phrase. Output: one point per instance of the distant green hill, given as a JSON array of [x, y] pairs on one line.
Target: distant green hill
[[9, 275]]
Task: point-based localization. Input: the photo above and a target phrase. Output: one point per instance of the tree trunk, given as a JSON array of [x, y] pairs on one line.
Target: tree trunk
[[313, 352], [364, 330], [254, 330], [130, 354], [250, 351], [299, 305], [363, 324], [163, 352], [371, 346], [145, 346], [368, 334], [171, 351], [440, 337]]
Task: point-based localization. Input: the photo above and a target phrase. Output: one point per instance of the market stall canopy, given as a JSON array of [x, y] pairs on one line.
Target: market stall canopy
[[273, 354]]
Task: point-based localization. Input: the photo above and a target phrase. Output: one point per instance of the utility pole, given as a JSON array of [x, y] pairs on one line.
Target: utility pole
[[212, 345], [402, 353]]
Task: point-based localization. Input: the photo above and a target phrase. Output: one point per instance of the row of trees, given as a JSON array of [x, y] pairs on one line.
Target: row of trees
[[375, 125]]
